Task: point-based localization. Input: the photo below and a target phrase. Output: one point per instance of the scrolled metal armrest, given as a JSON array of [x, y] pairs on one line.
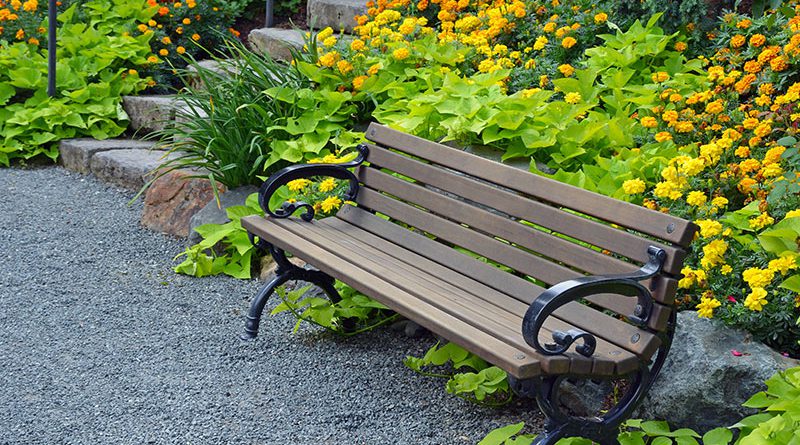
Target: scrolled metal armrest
[[567, 291], [288, 174]]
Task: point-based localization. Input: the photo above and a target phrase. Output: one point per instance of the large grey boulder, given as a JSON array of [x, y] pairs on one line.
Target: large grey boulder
[[338, 14], [277, 43], [215, 213], [710, 371]]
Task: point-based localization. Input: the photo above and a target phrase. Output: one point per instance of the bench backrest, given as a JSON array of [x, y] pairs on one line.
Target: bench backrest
[[542, 230]]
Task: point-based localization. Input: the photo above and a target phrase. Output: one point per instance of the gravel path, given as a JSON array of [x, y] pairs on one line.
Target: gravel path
[[101, 343]]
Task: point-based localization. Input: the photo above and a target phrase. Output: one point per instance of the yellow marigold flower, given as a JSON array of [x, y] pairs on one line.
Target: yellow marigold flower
[[327, 185], [540, 43], [726, 269], [179, 30], [783, 264], [549, 27], [692, 166], [357, 45], [374, 69], [325, 33], [663, 136], [566, 69], [669, 116], [684, 126], [142, 27], [572, 98], [771, 170], [358, 82], [744, 23], [180, 50], [163, 52], [660, 76], [750, 123], [196, 37], [600, 17], [328, 59], [330, 203], [715, 107], [756, 300], [756, 277], [709, 227], [543, 81], [344, 66], [530, 64], [762, 130], [30, 5], [713, 253], [298, 184], [568, 42], [746, 185], [649, 122], [166, 40], [719, 201], [152, 59], [738, 40], [761, 221], [400, 53], [696, 198], [186, 21], [633, 186], [706, 307]]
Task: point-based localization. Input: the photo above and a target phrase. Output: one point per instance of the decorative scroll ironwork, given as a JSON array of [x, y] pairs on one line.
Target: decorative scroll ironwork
[[285, 175], [286, 271], [602, 430], [564, 292]]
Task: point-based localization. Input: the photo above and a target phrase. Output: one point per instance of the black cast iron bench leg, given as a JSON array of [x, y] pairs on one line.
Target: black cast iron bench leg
[[286, 271]]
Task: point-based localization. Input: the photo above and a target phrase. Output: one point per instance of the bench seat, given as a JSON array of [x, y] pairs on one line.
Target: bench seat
[[449, 301]]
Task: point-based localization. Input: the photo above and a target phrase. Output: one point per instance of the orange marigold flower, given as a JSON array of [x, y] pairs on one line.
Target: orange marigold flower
[[663, 136], [757, 40], [162, 11], [744, 24], [166, 40], [600, 18], [566, 69], [180, 50], [779, 63], [163, 52], [195, 37], [738, 41], [186, 21], [680, 46], [20, 34], [568, 42], [358, 82]]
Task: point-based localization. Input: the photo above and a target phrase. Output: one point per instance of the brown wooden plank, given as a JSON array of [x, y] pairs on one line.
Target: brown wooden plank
[[469, 239], [663, 226], [522, 364], [548, 245], [601, 325], [593, 232], [498, 320], [490, 276]]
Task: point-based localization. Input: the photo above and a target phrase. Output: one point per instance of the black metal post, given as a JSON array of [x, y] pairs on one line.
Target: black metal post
[[51, 48], [270, 20]]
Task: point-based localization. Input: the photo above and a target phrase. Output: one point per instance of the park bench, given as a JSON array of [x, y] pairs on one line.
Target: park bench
[[587, 284]]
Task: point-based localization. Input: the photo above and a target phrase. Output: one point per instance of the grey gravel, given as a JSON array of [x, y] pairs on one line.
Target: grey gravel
[[101, 343]]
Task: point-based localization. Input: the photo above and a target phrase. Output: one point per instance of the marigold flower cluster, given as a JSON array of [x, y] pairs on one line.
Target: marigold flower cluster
[[532, 39], [21, 21], [733, 169]]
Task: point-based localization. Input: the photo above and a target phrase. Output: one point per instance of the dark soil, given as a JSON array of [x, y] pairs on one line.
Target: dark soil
[[255, 17]]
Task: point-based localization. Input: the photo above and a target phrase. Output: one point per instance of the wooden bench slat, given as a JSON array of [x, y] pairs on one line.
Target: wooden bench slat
[[559, 249], [498, 320], [476, 242], [614, 331], [486, 274], [512, 360], [516, 205], [663, 226]]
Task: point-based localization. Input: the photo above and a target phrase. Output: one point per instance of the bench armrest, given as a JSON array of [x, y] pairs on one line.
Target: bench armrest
[[287, 174], [567, 291]]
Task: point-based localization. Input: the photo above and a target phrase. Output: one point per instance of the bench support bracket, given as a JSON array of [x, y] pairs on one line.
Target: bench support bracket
[[286, 271], [603, 430]]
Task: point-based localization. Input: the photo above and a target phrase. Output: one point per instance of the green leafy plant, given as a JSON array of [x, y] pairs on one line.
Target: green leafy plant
[[487, 385], [354, 314], [96, 64], [225, 248], [777, 424]]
